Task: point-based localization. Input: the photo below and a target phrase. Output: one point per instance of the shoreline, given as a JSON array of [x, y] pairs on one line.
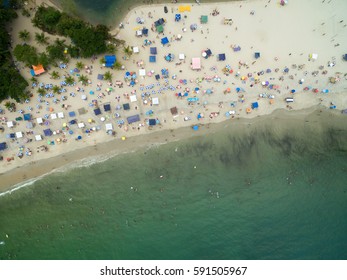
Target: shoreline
[[37, 165], [15, 179]]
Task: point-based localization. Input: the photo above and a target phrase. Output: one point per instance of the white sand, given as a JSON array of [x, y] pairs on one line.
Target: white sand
[[299, 28]]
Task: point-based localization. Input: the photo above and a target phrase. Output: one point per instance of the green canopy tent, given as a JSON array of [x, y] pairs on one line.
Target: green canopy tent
[[160, 29], [203, 19]]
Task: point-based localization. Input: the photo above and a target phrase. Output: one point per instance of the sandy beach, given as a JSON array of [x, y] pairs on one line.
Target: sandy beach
[[241, 86]]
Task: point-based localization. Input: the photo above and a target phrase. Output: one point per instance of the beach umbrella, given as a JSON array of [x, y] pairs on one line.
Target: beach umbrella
[[79, 137], [268, 70], [195, 127], [286, 70], [293, 91]]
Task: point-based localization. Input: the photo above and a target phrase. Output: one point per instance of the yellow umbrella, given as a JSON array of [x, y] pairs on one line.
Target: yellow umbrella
[[123, 138], [64, 124], [90, 120]]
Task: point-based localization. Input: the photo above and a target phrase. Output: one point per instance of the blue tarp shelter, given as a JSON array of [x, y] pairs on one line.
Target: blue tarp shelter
[[126, 106], [221, 57], [100, 76], [145, 31], [164, 40], [110, 60], [257, 55], [153, 50], [97, 111], [107, 107], [208, 52], [3, 146], [345, 57], [47, 132], [132, 119], [32, 72], [157, 77], [152, 58], [255, 105], [72, 122], [27, 117], [177, 17], [72, 114], [152, 122]]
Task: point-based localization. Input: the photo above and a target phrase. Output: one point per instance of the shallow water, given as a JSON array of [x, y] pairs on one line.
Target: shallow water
[[109, 12], [271, 189]]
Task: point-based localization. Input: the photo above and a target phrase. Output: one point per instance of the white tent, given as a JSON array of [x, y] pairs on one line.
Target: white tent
[[39, 120], [139, 33], [53, 116], [155, 101], [133, 98], [80, 125], [10, 124], [109, 126], [313, 56], [38, 137], [19, 134], [61, 115], [136, 49], [181, 56], [142, 72]]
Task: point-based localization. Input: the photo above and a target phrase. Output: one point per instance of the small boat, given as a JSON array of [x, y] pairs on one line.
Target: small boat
[[2, 242]]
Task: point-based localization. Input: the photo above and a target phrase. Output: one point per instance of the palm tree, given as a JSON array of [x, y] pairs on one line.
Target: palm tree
[[108, 76], [56, 89], [41, 90], [41, 38], [102, 60], [69, 80], [79, 65], [55, 75], [10, 106], [83, 79], [128, 51], [111, 48], [24, 35], [117, 65]]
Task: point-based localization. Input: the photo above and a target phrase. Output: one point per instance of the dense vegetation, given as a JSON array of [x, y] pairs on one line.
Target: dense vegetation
[[87, 39], [12, 84]]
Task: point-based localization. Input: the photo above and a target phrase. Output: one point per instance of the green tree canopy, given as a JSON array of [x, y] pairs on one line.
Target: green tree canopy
[[47, 18], [26, 54]]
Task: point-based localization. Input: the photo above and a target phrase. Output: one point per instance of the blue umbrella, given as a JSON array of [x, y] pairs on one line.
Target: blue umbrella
[[196, 127]]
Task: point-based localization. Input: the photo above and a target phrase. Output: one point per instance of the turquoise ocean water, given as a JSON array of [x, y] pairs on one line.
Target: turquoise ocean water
[[273, 189], [110, 12]]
